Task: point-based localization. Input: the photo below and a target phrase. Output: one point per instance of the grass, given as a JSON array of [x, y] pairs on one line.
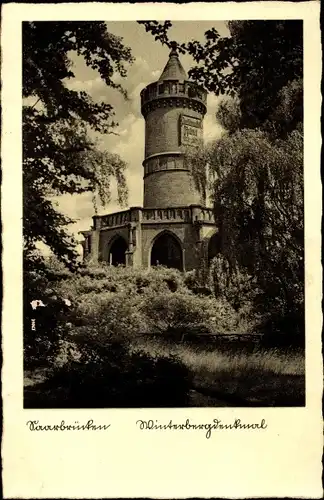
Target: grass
[[239, 375], [228, 374]]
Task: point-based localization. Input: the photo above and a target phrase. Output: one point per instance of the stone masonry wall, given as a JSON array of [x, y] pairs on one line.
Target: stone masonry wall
[[186, 234], [162, 129], [106, 239], [172, 188]]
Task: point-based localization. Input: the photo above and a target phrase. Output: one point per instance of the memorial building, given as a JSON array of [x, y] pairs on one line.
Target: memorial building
[[174, 228]]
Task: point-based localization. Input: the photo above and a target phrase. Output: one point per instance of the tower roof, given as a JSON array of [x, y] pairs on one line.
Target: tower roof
[[173, 69]]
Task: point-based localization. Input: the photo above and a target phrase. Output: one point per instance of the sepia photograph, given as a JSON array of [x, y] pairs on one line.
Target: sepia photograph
[[163, 214]]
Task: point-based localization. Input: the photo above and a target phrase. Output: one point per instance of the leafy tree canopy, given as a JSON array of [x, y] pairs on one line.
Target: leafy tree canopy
[[253, 64], [60, 153]]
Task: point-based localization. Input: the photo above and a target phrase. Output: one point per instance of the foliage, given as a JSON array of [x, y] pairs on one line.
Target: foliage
[[118, 304], [177, 314], [181, 316], [232, 283], [191, 280], [239, 373], [127, 302], [253, 64], [229, 114], [262, 227], [196, 159], [108, 375], [59, 154], [52, 322]]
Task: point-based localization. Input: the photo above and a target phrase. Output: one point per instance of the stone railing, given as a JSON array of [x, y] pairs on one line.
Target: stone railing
[[166, 215], [204, 215], [191, 214], [113, 220], [172, 89]]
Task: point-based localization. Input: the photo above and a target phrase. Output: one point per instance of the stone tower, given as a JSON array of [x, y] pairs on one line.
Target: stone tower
[[173, 228], [173, 109]]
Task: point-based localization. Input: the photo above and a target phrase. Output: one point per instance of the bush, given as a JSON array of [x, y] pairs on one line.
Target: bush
[[114, 304], [175, 314], [121, 303], [114, 315], [182, 315], [109, 376], [44, 329]]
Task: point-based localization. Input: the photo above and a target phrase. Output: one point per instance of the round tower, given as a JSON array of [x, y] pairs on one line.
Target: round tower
[[173, 108]]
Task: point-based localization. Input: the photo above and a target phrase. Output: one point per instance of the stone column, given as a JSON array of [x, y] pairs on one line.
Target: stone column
[[85, 246], [130, 251], [199, 251], [95, 239], [183, 260], [134, 236]]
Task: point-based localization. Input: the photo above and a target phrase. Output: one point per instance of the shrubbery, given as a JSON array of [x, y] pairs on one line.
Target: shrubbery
[[182, 315], [97, 343], [107, 374], [124, 302], [118, 303]]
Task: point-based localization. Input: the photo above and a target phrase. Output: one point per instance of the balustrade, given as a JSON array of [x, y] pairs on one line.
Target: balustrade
[[171, 88], [184, 214], [117, 219]]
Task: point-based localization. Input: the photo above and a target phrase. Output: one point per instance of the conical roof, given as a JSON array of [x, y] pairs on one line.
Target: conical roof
[[173, 69]]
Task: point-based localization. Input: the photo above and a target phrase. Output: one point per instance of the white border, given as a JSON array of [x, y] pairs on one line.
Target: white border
[[285, 460]]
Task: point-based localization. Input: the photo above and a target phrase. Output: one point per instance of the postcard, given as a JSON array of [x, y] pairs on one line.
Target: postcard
[[161, 211]]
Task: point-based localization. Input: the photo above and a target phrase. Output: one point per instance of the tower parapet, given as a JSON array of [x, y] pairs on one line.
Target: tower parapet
[[173, 93], [173, 108]]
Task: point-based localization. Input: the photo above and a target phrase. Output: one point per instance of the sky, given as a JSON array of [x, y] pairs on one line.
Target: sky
[[150, 59]]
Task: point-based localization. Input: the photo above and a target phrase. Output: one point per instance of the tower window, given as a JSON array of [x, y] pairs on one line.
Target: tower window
[[192, 92], [161, 88], [163, 164]]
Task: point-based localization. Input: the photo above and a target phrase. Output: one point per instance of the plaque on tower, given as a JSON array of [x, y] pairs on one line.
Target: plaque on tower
[[190, 131]]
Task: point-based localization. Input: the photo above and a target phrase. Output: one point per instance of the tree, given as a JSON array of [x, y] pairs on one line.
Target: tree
[[258, 202], [253, 64], [257, 166], [60, 154]]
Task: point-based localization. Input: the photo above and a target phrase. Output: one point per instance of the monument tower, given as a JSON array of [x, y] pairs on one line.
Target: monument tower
[[173, 110], [173, 228]]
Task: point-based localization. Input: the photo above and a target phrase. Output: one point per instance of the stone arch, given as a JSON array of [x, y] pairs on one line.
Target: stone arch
[[210, 246], [167, 250], [118, 247], [213, 245]]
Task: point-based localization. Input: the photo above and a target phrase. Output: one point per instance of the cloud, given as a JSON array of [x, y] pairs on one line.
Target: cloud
[[212, 129], [213, 101], [131, 149], [139, 75]]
